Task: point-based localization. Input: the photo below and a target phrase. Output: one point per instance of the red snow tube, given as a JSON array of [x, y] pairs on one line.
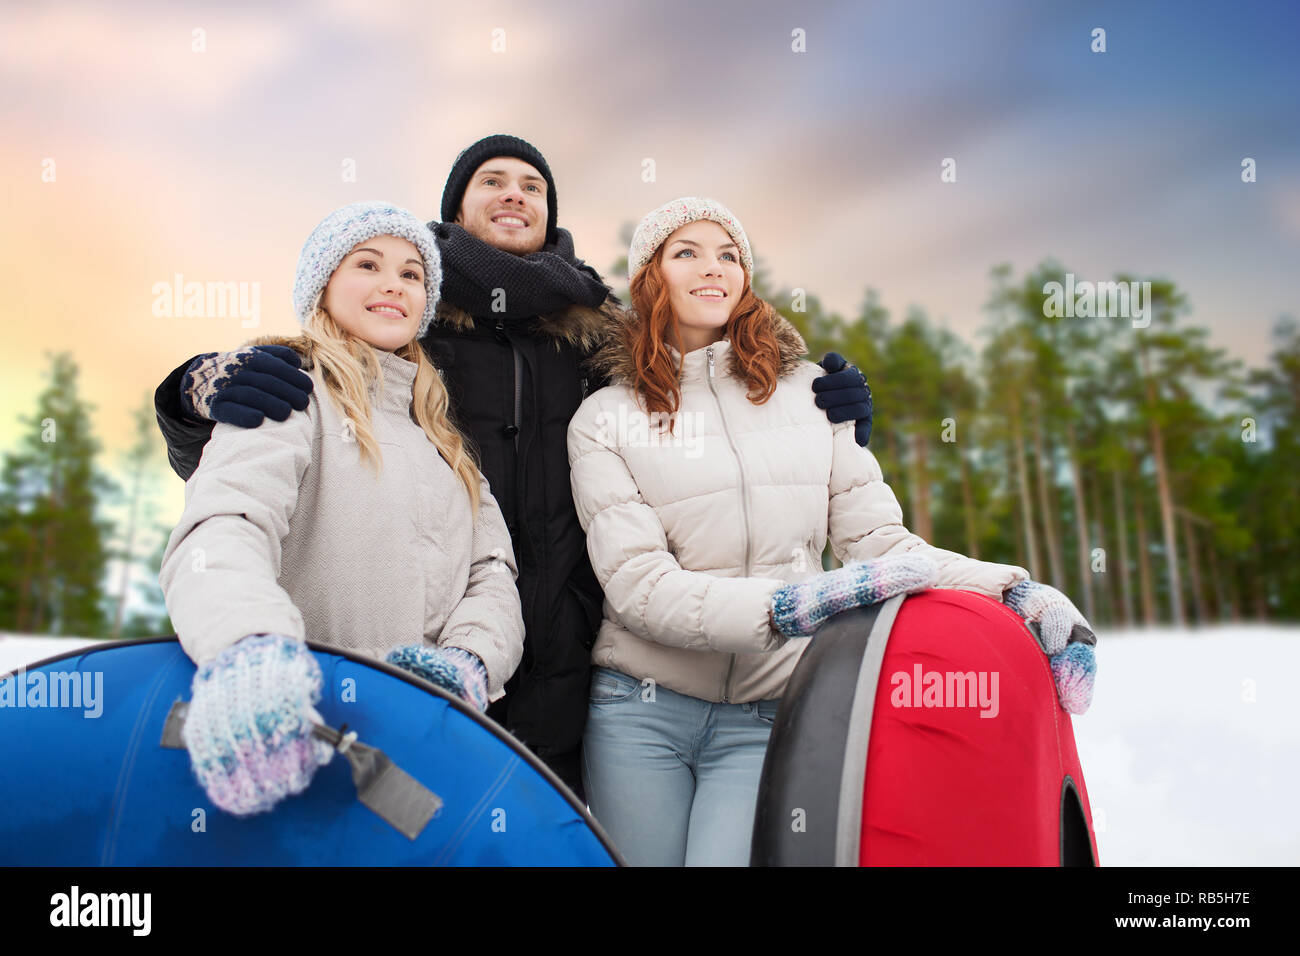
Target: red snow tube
[[923, 732]]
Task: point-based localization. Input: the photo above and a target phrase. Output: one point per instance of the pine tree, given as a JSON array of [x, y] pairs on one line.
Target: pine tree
[[52, 554], [1263, 447], [140, 466]]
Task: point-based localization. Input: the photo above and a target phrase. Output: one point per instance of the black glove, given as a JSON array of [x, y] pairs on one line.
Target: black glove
[[844, 393], [245, 386]]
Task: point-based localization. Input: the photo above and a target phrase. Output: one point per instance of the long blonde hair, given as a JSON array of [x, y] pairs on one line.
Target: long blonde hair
[[349, 364]]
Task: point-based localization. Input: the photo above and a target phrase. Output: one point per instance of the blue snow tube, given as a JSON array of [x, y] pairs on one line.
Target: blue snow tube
[[83, 789]]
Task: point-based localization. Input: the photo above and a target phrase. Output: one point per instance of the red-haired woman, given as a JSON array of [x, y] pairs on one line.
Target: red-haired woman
[[708, 482]]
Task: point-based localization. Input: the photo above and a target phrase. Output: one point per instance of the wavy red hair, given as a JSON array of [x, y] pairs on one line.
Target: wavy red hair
[[750, 328]]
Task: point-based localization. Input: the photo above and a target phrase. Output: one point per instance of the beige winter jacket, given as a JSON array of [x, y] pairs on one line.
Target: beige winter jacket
[[287, 531], [691, 534]]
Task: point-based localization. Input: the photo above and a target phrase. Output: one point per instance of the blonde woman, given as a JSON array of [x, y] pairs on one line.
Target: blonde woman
[[363, 524]]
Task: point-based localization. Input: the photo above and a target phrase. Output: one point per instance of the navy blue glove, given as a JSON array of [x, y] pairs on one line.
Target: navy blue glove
[[844, 394], [245, 386]]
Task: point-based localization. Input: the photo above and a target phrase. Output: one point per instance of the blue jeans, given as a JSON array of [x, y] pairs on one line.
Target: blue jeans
[[673, 779]]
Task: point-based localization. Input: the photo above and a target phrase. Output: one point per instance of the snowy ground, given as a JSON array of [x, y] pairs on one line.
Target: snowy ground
[[1191, 747], [17, 650], [1191, 750]]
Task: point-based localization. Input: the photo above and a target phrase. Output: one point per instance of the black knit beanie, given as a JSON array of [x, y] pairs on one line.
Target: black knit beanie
[[472, 157]]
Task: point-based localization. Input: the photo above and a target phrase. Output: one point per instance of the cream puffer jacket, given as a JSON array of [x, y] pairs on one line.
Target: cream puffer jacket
[[287, 531], [691, 533]]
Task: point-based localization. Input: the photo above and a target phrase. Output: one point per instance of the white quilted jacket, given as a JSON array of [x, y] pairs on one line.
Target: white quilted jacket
[[287, 531], [690, 534]]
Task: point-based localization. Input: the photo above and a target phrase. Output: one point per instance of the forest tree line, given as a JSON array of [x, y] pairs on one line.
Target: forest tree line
[[1142, 471]]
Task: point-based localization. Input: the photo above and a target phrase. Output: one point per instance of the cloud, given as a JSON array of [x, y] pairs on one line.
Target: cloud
[[84, 53]]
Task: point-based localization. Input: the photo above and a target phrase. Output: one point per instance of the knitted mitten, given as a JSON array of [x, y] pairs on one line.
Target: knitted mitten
[[245, 386], [249, 726], [799, 609], [454, 669], [1065, 636], [1058, 620], [1075, 670]]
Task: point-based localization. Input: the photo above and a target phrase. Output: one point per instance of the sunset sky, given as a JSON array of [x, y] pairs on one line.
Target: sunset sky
[[216, 163]]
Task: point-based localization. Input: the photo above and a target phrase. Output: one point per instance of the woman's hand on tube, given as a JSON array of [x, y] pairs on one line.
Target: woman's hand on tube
[[798, 610]]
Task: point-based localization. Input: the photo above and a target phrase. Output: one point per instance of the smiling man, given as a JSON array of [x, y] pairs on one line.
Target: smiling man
[[518, 318], [506, 204]]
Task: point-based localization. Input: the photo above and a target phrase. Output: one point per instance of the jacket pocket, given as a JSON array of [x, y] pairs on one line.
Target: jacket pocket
[[611, 686]]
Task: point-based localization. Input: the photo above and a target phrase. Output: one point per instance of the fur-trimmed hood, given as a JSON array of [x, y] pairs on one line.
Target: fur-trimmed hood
[[614, 357], [579, 326], [301, 344]]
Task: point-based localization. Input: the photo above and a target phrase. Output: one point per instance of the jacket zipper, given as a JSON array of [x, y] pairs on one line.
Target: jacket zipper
[[519, 373], [521, 520], [744, 506]]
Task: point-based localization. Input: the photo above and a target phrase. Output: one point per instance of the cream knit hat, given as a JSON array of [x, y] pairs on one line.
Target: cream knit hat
[[671, 216]]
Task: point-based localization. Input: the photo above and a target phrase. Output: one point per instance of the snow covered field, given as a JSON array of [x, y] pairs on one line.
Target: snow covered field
[[1191, 750]]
